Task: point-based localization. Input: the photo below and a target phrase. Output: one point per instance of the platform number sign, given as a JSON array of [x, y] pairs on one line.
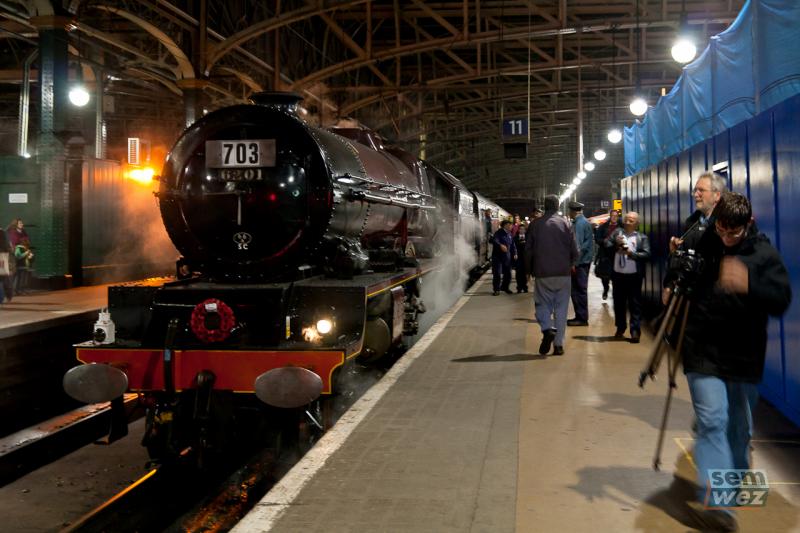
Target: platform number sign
[[515, 129]]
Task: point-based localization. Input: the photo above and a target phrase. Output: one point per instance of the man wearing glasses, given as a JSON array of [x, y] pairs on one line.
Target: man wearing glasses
[[698, 230], [725, 345]]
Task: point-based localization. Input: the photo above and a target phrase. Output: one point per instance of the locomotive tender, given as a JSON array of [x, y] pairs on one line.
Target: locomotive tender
[[303, 251]]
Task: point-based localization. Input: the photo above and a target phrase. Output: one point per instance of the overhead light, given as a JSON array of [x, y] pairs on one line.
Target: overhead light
[[589, 166], [78, 96], [638, 106], [581, 174], [683, 50], [614, 136], [576, 181], [600, 154]]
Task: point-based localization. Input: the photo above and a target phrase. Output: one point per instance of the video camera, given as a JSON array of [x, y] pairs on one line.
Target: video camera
[[687, 266]]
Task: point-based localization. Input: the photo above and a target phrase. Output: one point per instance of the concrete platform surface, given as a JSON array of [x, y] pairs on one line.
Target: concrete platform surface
[[473, 430], [43, 310]]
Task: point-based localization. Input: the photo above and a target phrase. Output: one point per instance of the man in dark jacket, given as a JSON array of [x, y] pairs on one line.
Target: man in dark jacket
[[725, 345], [503, 253], [551, 251], [584, 236], [520, 265], [603, 261], [698, 232], [631, 252]]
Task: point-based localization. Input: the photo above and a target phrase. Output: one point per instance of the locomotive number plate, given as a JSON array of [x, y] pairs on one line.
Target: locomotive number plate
[[240, 154], [240, 174]]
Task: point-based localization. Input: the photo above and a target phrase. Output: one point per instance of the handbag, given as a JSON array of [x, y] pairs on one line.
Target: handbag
[[5, 269]]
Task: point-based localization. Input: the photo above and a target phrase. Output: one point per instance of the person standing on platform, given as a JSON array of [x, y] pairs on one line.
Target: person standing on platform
[[487, 231], [584, 236], [503, 253], [6, 262], [515, 226], [724, 349], [631, 250], [21, 248], [698, 231], [520, 265], [604, 260], [551, 251]]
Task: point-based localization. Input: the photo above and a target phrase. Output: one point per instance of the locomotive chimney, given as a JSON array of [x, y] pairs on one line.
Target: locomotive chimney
[[286, 100]]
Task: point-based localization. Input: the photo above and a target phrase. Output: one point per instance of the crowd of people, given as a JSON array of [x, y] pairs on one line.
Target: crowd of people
[[16, 260], [557, 252], [732, 276]]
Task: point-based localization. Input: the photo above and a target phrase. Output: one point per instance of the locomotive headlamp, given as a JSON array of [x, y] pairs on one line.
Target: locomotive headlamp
[[324, 326]]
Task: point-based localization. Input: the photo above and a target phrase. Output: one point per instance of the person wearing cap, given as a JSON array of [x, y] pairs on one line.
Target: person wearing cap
[[504, 253], [584, 236]]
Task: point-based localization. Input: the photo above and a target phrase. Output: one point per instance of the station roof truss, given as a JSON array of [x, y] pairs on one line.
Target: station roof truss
[[434, 77]]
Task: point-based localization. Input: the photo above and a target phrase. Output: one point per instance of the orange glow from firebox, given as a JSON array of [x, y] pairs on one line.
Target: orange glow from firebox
[[142, 175]]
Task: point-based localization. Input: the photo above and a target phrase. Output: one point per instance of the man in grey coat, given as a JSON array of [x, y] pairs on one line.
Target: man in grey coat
[[551, 252]]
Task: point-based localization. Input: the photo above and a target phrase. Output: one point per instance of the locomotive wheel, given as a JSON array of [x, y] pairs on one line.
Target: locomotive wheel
[[377, 339]]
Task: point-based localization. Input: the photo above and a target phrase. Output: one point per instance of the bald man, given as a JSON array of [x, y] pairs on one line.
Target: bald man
[[631, 252]]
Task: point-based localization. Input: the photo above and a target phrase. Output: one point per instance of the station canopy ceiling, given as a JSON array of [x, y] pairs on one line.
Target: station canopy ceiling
[[429, 76]]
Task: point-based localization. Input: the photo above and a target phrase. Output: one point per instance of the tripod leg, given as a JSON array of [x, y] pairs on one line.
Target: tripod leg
[[662, 431], [656, 353], [682, 331], [683, 310]]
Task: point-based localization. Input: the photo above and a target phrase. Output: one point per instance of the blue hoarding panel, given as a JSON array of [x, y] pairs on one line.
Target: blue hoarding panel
[[787, 155], [738, 166], [762, 198]]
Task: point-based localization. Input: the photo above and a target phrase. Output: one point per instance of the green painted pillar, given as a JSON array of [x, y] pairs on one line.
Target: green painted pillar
[[51, 244]]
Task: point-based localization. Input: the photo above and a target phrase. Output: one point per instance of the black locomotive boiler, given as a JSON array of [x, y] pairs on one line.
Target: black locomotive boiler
[[303, 252]]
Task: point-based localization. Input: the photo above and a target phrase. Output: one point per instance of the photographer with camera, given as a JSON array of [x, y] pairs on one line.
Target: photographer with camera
[[724, 346], [698, 237], [632, 250]]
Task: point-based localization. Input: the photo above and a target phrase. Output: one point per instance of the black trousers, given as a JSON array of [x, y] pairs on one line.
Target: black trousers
[[500, 268], [580, 298], [627, 291], [521, 272]]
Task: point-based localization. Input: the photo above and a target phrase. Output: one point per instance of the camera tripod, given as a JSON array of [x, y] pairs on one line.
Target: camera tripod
[[677, 313]]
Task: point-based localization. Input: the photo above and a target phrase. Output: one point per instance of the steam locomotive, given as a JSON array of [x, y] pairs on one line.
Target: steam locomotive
[[303, 253]]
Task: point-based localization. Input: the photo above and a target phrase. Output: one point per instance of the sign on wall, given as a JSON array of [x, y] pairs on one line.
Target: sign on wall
[[18, 198]]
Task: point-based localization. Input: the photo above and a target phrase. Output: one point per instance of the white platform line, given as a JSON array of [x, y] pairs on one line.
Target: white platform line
[[266, 512]]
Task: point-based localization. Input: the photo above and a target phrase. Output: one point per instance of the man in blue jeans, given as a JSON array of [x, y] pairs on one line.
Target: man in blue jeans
[[551, 253], [725, 345]]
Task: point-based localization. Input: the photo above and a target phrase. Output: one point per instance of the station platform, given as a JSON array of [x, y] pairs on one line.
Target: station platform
[[473, 430], [37, 332], [43, 310]]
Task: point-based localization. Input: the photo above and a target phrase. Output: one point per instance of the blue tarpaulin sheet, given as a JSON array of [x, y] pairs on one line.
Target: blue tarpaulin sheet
[[751, 66]]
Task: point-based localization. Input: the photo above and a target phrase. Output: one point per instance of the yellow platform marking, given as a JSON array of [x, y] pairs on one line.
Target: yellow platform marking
[[690, 457]]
